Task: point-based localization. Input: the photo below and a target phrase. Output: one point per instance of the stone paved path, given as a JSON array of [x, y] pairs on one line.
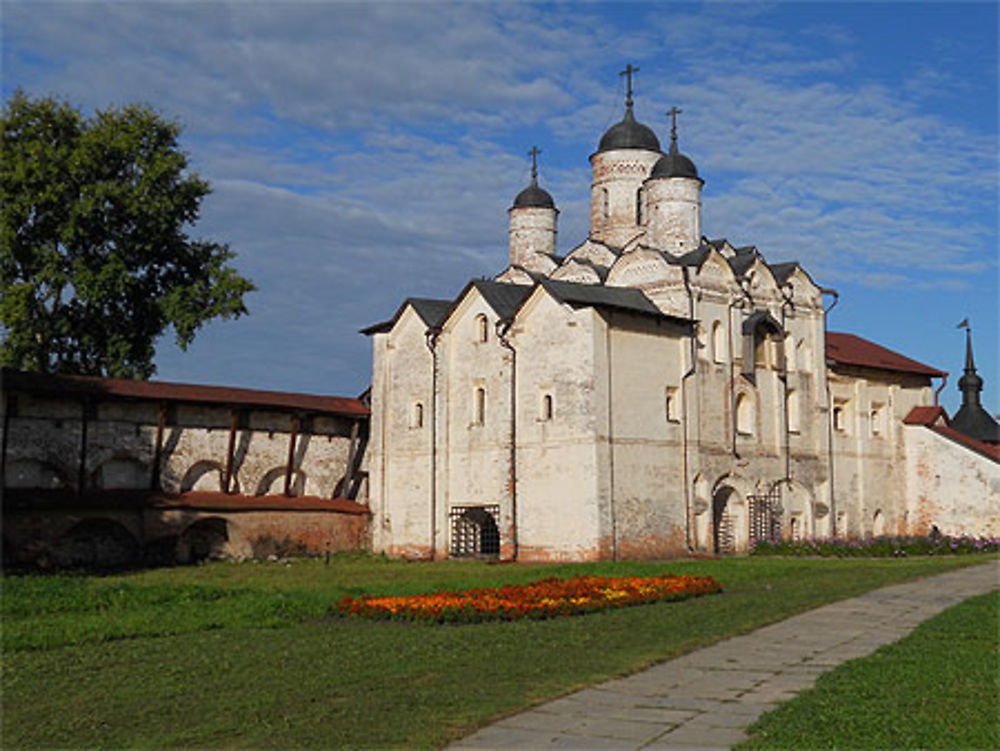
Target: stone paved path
[[708, 698]]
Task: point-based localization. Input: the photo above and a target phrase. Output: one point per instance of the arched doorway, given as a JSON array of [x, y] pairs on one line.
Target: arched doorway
[[474, 531], [203, 540], [723, 522], [96, 544]]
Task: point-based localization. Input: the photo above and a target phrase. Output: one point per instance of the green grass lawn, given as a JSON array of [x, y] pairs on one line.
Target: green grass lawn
[[247, 655], [938, 688]]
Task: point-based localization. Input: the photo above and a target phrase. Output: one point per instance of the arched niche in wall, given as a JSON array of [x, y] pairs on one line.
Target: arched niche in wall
[[207, 475], [96, 543], [35, 473], [119, 473], [273, 483]]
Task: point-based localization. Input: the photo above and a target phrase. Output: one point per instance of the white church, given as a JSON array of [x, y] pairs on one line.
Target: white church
[[653, 393]]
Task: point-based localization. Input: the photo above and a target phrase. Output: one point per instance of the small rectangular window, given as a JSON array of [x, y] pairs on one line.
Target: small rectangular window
[[479, 409], [877, 419], [417, 415], [841, 416], [673, 410], [545, 413]]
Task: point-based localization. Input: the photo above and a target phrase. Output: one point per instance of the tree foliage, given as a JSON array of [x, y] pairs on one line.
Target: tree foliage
[[95, 262]]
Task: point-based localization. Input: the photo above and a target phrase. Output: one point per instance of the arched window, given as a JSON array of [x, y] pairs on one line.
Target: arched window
[[745, 416], [417, 418], [479, 415], [802, 356], [604, 205], [702, 345], [639, 210], [482, 328], [791, 354], [546, 412], [792, 405], [718, 343]]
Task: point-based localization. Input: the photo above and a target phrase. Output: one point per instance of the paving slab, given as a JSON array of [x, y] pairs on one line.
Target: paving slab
[[707, 699]]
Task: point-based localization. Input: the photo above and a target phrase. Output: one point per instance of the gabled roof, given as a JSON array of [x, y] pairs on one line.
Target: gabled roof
[[615, 298], [743, 259], [184, 393], [431, 311], [504, 298], [782, 271], [849, 349]]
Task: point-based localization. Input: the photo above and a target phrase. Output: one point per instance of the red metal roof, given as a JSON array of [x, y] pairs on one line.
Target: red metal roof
[[29, 499], [925, 416], [929, 417], [58, 385], [849, 349]]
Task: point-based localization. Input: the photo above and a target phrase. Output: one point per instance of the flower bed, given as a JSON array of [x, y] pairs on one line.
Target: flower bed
[[546, 598], [880, 547]]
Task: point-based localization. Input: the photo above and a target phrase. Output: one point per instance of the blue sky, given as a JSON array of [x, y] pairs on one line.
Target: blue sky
[[363, 153]]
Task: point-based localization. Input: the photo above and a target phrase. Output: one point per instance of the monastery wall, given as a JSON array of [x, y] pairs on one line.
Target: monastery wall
[[949, 485], [86, 476]]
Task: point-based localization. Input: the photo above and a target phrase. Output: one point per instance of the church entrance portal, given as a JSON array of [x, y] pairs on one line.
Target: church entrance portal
[[723, 532], [474, 531]]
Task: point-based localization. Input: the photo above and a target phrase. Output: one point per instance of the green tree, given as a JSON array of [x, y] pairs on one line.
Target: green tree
[[95, 262]]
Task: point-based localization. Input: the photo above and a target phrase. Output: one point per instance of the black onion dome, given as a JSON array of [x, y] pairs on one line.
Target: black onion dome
[[629, 134], [534, 197], [674, 164]]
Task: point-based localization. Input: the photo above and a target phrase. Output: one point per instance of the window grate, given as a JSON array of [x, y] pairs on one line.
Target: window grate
[[474, 531]]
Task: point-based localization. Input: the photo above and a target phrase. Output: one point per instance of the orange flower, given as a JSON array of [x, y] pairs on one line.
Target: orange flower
[[545, 598]]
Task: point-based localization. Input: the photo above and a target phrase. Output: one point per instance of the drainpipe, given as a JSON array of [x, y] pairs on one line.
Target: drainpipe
[[684, 412], [944, 381], [502, 329], [611, 444], [829, 411], [732, 361], [788, 303], [431, 338]]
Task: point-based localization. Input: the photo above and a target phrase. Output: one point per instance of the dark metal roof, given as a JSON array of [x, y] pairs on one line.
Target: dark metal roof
[[674, 164], [974, 421], [162, 391], [534, 197], [743, 260], [503, 297], [848, 349], [761, 318], [597, 296], [629, 134], [694, 257], [431, 311], [782, 271]]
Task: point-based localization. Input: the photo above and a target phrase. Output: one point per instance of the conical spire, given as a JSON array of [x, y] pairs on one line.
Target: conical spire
[[971, 419]]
